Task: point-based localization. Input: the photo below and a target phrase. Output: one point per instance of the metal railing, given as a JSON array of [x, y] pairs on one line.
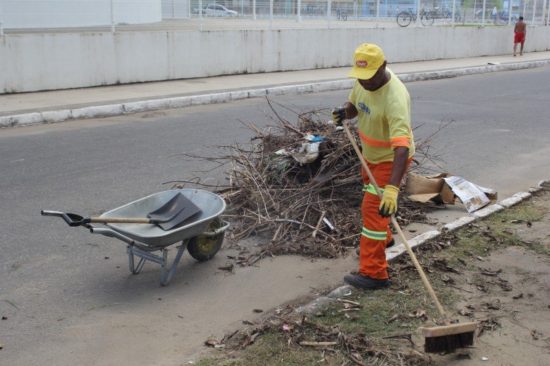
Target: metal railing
[[480, 12]]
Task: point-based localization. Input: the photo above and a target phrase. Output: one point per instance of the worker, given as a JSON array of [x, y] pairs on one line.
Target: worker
[[381, 103]]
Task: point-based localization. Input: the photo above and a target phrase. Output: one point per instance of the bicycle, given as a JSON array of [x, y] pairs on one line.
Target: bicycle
[[405, 18], [341, 15], [449, 16]]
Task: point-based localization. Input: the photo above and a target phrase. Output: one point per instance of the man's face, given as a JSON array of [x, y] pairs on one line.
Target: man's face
[[376, 81]]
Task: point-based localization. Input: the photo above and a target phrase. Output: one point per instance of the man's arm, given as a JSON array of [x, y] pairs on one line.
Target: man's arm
[[351, 111], [347, 111], [400, 157]]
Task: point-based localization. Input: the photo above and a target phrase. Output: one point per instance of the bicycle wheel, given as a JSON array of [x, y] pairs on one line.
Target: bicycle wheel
[[404, 19], [427, 19]]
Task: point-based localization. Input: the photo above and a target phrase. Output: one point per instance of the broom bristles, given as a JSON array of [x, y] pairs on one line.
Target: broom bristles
[[449, 343], [448, 338]]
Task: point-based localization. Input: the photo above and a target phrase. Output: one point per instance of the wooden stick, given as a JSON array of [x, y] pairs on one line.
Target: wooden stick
[[318, 344], [395, 224], [121, 220], [349, 302], [314, 234]]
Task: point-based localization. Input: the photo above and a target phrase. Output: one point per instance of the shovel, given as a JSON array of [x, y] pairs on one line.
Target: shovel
[[173, 213]]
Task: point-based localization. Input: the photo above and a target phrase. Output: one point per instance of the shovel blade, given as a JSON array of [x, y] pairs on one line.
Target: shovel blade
[[170, 209], [189, 211]]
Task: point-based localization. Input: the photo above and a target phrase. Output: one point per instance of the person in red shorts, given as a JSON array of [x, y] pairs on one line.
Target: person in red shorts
[[520, 30]]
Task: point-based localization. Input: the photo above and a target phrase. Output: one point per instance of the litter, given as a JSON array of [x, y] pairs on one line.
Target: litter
[[444, 189]]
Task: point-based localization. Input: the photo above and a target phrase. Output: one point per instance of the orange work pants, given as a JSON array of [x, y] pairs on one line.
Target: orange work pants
[[376, 232]]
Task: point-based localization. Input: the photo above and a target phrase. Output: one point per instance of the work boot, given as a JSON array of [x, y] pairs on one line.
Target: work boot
[[389, 245], [365, 282]]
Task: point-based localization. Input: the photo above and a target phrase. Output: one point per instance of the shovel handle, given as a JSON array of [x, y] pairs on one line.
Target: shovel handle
[[395, 224], [77, 220], [121, 220]]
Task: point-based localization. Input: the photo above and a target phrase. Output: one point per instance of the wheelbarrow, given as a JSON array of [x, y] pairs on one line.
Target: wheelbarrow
[[201, 233]]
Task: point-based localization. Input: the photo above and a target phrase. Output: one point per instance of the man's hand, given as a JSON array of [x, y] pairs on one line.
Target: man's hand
[[338, 115], [388, 204]]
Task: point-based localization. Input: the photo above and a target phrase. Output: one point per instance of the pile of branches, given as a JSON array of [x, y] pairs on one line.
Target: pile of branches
[[309, 208], [312, 208]]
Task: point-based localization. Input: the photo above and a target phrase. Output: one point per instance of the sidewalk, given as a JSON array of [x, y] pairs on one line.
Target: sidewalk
[[56, 106]]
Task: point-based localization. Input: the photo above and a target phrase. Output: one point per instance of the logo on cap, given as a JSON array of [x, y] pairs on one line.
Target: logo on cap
[[361, 63]]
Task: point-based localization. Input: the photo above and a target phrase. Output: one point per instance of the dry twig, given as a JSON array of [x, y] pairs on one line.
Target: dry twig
[[311, 209]]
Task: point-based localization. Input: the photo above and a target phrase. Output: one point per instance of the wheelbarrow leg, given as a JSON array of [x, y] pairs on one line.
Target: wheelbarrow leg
[[167, 274], [134, 269]]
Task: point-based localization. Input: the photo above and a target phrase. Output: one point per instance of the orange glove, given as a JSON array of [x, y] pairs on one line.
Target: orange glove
[[388, 203]]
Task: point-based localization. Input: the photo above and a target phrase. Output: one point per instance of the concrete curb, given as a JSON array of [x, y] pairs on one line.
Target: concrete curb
[[392, 253], [111, 110]]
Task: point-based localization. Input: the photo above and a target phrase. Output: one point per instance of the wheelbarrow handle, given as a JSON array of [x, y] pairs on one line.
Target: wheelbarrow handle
[[71, 221]]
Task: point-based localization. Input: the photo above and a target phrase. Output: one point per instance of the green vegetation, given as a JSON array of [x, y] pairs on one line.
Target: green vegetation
[[377, 328], [495, 232], [385, 313], [272, 349]]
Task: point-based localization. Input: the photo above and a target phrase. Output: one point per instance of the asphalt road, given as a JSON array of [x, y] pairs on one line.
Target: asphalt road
[[67, 294]]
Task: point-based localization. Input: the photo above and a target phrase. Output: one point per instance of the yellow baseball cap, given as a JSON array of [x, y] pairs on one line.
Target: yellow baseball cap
[[367, 59]]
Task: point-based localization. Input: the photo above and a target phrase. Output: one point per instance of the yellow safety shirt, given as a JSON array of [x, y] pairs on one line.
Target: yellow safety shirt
[[384, 119]]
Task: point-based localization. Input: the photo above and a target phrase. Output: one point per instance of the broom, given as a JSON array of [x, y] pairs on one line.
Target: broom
[[445, 338]]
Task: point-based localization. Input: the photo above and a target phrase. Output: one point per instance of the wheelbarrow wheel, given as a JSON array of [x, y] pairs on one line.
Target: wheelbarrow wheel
[[204, 247]]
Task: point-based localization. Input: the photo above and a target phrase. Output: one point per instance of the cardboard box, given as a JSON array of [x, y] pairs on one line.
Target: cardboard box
[[429, 188], [442, 188]]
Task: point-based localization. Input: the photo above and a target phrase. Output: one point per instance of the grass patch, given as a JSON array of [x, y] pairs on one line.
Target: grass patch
[[378, 328], [272, 349], [496, 231], [400, 309]]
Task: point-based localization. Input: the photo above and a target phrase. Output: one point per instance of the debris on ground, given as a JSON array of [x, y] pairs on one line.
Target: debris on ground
[[297, 186], [358, 348], [468, 268], [445, 189]]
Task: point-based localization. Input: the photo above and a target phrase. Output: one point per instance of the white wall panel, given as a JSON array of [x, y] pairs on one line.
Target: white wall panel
[[77, 13], [46, 61]]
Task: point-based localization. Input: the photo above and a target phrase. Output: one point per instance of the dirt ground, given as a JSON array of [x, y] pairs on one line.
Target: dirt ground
[[513, 295], [495, 271], [519, 311]]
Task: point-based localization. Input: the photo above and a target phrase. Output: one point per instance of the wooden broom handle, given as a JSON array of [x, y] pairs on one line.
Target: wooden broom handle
[[395, 224]]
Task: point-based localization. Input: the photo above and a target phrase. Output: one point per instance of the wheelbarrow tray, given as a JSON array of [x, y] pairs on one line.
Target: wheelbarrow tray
[[211, 206]]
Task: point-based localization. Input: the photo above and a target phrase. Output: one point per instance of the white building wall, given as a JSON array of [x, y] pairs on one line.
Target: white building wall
[[47, 61], [77, 13], [175, 9]]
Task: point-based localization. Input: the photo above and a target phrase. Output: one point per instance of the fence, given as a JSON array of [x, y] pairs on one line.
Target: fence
[[471, 12]]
